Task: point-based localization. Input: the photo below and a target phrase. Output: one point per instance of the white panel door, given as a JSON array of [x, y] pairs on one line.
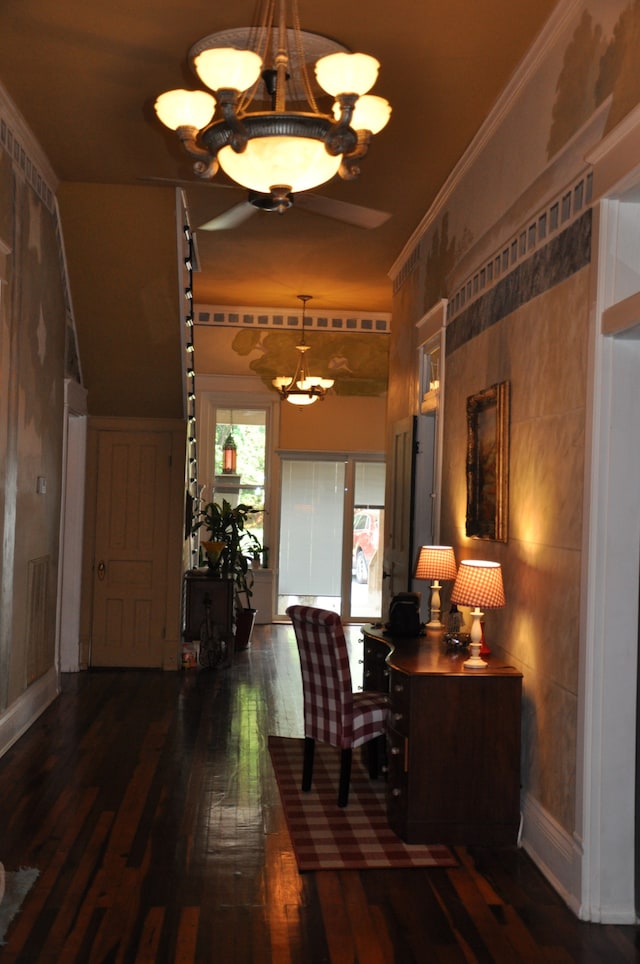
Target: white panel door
[[129, 584]]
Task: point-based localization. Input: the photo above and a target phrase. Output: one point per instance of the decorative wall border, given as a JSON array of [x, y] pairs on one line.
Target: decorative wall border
[[283, 319], [565, 254], [11, 143], [548, 223]]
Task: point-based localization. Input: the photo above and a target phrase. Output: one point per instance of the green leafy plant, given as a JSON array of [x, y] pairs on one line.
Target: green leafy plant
[[232, 544]]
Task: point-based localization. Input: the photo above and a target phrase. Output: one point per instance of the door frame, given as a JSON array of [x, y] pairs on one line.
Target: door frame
[[74, 456], [608, 686]]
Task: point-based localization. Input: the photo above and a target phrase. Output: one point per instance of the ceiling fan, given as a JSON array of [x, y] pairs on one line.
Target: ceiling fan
[[279, 200]]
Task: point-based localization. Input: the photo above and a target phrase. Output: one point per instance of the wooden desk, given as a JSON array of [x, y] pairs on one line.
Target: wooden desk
[[453, 741]]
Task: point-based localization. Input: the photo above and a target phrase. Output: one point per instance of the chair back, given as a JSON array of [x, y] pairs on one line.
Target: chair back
[[326, 676]]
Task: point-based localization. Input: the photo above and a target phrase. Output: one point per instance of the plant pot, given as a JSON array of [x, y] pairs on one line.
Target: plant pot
[[245, 620]]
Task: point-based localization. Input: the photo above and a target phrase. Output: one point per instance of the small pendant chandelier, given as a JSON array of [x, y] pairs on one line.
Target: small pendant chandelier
[[302, 388], [280, 151]]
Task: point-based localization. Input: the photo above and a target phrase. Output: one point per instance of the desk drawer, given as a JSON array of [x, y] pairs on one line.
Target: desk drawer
[[400, 692], [376, 671], [397, 779]]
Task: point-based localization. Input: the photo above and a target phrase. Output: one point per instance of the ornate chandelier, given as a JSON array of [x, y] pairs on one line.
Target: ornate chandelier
[[280, 151], [301, 388]]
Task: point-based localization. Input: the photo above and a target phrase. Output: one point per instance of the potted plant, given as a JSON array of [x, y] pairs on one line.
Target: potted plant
[[229, 549]]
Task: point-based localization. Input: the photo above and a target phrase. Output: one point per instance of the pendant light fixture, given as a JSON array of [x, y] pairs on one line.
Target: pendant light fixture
[[229, 455], [279, 151], [301, 388]]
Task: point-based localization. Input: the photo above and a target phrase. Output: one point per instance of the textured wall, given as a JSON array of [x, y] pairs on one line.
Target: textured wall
[[541, 349], [509, 246], [35, 338]]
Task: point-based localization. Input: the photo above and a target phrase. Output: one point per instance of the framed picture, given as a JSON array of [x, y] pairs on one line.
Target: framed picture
[[488, 463]]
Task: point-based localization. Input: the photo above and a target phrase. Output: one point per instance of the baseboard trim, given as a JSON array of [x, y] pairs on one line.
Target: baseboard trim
[[24, 711], [555, 852]]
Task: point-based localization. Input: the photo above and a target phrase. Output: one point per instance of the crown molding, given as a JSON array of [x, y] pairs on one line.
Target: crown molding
[[19, 141], [522, 75]]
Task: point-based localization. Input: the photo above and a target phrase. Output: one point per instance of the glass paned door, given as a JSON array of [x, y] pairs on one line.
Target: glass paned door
[[331, 536], [311, 526], [367, 540]]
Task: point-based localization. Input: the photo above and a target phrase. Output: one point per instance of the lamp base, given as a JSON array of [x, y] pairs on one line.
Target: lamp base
[[475, 661]]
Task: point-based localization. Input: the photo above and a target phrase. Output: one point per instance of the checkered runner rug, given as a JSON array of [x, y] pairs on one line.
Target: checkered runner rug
[[357, 837]]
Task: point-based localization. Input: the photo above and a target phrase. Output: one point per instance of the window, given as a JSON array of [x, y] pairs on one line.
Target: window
[[246, 428]]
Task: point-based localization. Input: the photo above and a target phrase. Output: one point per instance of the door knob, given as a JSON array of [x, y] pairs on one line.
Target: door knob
[[102, 570]]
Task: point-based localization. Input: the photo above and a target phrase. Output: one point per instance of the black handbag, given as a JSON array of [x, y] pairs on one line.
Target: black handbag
[[404, 615]]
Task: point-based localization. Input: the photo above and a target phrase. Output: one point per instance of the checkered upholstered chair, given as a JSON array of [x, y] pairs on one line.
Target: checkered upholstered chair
[[333, 713]]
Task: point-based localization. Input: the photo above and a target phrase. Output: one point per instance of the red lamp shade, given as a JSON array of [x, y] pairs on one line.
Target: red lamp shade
[[479, 584], [436, 562]]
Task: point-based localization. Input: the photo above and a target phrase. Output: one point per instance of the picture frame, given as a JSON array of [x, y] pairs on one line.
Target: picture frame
[[488, 415]]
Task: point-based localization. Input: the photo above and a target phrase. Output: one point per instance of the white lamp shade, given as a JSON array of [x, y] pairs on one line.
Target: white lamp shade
[[302, 399], [225, 68], [343, 73], [298, 163], [371, 113], [185, 108], [479, 584], [435, 562], [312, 380]]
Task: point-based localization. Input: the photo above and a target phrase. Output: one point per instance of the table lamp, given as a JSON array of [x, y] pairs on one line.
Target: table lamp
[[436, 563], [478, 584]]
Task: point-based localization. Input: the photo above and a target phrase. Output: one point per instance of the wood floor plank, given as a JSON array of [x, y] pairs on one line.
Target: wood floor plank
[[187, 936], [342, 947], [368, 946], [148, 803]]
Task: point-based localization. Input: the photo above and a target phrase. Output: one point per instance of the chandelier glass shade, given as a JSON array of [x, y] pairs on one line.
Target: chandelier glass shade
[[269, 163], [302, 388], [277, 151]]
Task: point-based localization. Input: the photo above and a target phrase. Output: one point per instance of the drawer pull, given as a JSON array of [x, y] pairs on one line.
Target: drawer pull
[[396, 792], [395, 751], [398, 688], [397, 716]]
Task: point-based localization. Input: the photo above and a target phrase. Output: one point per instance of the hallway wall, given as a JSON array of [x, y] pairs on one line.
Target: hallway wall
[[509, 245]]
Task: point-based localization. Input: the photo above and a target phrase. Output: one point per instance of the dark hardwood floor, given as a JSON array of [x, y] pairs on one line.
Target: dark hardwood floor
[[148, 803]]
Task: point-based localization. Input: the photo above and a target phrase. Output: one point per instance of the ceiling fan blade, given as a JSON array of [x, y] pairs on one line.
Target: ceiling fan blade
[[230, 219], [177, 182], [341, 210]]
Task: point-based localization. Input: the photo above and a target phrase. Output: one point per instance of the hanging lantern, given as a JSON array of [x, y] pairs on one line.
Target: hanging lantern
[[229, 456]]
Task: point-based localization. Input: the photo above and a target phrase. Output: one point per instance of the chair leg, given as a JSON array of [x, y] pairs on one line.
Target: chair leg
[[307, 763], [345, 778]]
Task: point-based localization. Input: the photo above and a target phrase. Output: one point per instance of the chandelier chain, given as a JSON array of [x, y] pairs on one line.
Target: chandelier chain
[[301, 57]]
